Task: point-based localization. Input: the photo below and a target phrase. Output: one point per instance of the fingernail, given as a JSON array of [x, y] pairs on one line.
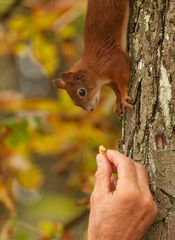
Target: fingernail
[[100, 159]]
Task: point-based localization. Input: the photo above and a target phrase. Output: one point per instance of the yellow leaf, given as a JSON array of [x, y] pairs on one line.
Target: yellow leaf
[[67, 32], [47, 228], [46, 53], [43, 20]]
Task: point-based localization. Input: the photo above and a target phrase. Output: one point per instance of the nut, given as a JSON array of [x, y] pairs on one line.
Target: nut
[[102, 150]]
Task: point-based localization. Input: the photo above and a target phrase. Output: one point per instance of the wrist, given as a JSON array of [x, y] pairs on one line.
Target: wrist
[[96, 234], [112, 234]]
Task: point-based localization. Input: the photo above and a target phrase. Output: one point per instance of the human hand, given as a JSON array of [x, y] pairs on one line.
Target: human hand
[[122, 207]]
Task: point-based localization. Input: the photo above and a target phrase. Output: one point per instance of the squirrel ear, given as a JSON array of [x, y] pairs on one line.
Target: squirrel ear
[[67, 77], [59, 83]]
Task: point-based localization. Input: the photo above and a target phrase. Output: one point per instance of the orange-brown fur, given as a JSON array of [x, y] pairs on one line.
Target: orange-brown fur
[[104, 60]]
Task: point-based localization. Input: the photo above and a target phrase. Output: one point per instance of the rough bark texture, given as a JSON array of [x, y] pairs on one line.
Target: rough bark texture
[[149, 130]]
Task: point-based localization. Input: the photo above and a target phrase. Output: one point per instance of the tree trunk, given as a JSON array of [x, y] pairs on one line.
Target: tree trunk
[[149, 130]]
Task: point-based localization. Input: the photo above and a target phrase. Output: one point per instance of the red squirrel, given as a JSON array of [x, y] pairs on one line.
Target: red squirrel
[[104, 60]]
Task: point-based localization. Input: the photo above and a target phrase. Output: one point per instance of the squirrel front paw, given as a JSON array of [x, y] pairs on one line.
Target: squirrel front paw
[[125, 104]]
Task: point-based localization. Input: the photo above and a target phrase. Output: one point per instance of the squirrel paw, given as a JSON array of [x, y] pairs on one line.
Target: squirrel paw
[[125, 104]]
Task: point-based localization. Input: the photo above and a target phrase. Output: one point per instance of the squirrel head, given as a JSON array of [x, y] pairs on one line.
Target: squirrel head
[[81, 87]]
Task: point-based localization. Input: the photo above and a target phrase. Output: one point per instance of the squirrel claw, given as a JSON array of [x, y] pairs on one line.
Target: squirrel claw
[[128, 98], [125, 104]]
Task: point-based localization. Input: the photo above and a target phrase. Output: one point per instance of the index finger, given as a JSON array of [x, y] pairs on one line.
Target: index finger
[[126, 169]]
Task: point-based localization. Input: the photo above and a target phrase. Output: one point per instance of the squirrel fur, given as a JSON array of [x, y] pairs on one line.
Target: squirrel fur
[[104, 60]]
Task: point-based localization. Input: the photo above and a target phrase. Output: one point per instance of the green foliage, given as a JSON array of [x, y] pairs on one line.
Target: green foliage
[[5, 5], [20, 131], [21, 236], [60, 207]]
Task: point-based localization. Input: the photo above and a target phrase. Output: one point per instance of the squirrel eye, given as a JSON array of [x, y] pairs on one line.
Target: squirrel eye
[[82, 92]]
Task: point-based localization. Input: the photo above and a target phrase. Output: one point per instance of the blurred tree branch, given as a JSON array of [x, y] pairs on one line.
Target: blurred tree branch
[[10, 10]]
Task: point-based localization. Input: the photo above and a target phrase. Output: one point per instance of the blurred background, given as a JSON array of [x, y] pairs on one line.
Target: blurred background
[[47, 145]]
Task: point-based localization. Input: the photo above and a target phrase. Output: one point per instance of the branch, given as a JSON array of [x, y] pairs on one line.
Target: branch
[[10, 10]]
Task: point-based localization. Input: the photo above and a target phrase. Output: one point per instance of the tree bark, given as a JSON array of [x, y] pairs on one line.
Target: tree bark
[[149, 130]]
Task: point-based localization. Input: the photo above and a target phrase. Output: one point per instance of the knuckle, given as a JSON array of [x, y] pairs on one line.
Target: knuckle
[[130, 162], [148, 203], [95, 198], [149, 206], [142, 167]]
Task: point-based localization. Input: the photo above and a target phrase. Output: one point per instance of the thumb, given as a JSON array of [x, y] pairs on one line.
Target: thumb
[[103, 174]]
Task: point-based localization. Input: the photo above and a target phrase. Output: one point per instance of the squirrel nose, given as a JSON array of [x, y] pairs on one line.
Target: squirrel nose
[[89, 109]]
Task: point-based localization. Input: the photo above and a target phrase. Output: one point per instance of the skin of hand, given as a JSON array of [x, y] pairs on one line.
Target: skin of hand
[[122, 207]]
